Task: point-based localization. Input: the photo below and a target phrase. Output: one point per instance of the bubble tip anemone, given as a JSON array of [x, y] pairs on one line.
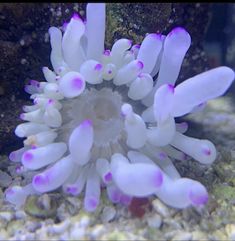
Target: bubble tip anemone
[[79, 130]]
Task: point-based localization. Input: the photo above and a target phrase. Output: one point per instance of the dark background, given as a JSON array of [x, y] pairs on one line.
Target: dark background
[[219, 41]]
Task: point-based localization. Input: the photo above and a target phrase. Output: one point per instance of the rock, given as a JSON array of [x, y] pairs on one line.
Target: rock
[[27, 236], [198, 235], [230, 230], [41, 234], [20, 214], [190, 214], [154, 221], [5, 179], [44, 206], [108, 214], [59, 228], [4, 235], [15, 227], [85, 221], [173, 224], [77, 233], [32, 226], [160, 208], [97, 231], [73, 204], [64, 236], [62, 212], [132, 22], [233, 154], [183, 236], [8, 216], [115, 235], [220, 235], [170, 234]]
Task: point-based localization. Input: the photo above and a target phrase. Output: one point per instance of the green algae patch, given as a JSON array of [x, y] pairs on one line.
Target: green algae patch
[[116, 235], [224, 192]]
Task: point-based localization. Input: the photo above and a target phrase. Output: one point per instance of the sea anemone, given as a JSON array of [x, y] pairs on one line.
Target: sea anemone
[[105, 119]]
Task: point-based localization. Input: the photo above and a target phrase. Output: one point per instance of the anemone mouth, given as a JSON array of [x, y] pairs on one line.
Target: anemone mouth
[[103, 108]]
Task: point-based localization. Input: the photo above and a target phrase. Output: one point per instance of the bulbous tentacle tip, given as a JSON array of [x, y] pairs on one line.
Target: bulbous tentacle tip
[[153, 35], [126, 109], [64, 26], [171, 88], [76, 17], [136, 46], [208, 152], [90, 204], [198, 195], [51, 29], [114, 194], [44, 68], [22, 116], [140, 64], [11, 194], [107, 52], [72, 84], [71, 189], [34, 83], [77, 83], [20, 169], [158, 178], [98, 67], [178, 30], [108, 177], [40, 180], [50, 102], [91, 70], [162, 155], [87, 123], [27, 156], [130, 42]]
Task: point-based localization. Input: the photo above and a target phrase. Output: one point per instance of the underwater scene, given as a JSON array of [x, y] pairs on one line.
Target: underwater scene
[[117, 121]]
